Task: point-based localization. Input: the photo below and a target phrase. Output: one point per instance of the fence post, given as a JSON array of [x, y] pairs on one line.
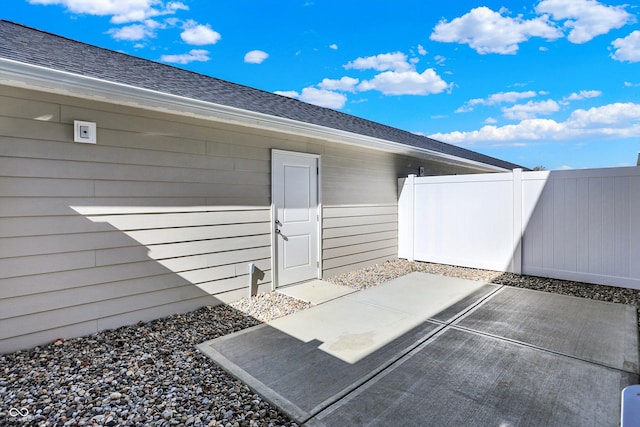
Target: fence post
[[406, 217], [516, 260]]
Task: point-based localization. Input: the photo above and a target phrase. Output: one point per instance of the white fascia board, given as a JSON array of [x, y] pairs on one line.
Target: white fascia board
[[19, 74]]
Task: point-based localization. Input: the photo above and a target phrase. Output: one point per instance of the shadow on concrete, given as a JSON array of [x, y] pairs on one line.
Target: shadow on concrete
[[507, 357]]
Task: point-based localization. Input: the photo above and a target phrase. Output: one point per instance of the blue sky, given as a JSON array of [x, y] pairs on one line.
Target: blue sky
[[553, 82]]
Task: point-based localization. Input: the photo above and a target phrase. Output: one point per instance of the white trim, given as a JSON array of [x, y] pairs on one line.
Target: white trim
[[319, 183], [18, 74]]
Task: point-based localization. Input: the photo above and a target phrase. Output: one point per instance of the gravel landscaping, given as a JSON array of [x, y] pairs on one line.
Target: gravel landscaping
[[151, 373]]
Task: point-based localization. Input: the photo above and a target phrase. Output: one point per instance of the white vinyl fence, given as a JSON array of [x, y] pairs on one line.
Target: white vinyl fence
[[581, 225]]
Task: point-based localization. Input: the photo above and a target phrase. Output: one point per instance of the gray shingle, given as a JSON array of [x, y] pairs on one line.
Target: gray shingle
[[36, 47]]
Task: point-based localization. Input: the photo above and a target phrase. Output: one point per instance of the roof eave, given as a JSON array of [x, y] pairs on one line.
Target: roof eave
[[28, 76]]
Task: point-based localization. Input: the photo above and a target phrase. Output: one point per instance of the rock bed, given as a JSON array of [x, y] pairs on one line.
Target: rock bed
[[151, 373], [146, 374]]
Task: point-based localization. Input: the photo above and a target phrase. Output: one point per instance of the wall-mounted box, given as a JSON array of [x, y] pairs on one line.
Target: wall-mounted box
[[84, 132]]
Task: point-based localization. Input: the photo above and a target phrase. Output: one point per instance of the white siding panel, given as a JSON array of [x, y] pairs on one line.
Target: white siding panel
[[157, 312], [208, 260], [29, 109], [150, 237], [96, 310], [24, 266], [386, 253], [41, 187], [355, 266], [360, 220], [357, 235], [347, 211], [40, 245], [58, 280], [58, 299], [47, 225], [358, 230], [168, 220], [337, 242]]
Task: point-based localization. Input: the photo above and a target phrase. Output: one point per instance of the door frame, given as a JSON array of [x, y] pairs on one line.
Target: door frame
[[274, 252]]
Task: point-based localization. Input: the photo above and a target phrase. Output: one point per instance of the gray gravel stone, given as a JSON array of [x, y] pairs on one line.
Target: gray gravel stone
[[151, 374]]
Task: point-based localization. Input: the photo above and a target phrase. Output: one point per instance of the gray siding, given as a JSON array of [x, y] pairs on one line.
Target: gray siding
[[162, 215], [358, 236]]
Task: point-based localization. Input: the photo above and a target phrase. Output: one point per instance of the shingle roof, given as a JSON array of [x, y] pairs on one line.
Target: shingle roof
[[35, 47]]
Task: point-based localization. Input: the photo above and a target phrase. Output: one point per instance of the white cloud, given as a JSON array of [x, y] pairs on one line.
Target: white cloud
[[333, 46], [345, 84], [185, 58], [583, 94], [509, 97], [620, 120], [320, 97], [439, 59], [255, 57], [490, 121], [531, 109], [629, 84], [488, 31], [627, 48], [198, 34], [132, 32], [585, 18], [617, 113], [396, 61], [287, 93], [323, 98], [421, 50], [497, 98], [121, 11], [406, 83]]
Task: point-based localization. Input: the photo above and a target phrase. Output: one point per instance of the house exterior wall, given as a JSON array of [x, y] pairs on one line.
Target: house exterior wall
[[162, 215]]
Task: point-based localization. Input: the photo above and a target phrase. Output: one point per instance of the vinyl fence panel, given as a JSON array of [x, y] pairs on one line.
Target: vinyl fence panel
[[459, 220], [579, 225], [583, 225]]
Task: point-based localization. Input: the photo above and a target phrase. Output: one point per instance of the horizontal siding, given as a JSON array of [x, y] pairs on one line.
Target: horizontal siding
[[338, 242], [162, 215], [329, 272], [356, 236]]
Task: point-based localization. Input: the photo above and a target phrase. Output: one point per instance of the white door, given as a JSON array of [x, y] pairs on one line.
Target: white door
[[294, 186]]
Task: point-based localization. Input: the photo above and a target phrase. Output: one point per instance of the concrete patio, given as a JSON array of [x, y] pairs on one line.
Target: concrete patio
[[433, 350]]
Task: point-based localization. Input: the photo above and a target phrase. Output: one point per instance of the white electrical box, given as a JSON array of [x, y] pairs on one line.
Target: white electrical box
[[84, 132]]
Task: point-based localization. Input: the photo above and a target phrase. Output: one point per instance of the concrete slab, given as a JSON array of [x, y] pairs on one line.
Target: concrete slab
[[463, 378], [590, 330], [297, 376], [434, 350], [316, 291], [427, 295], [352, 327], [305, 361]]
